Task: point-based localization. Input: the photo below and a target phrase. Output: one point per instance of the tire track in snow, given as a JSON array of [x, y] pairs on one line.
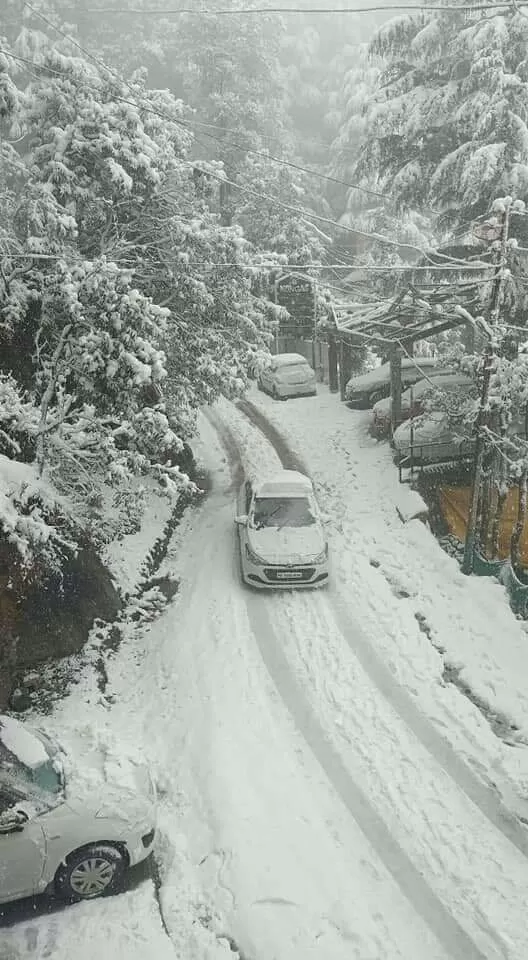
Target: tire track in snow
[[230, 445], [487, 800], [289, 460], [449, 933]]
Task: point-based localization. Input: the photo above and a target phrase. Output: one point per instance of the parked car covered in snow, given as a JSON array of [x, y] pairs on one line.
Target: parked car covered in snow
[[281, 536], [431, 438], [364, 391], [77, 846], [412, 399], [288, 375]]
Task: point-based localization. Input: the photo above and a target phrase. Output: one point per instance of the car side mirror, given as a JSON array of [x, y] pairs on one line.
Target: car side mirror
[[241, 520], [13, 821]]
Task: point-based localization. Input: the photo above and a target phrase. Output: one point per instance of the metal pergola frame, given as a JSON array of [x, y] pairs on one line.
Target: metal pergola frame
[[397, 324]]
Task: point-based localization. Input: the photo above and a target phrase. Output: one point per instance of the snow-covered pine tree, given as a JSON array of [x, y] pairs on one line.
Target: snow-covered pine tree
[[446, 130]]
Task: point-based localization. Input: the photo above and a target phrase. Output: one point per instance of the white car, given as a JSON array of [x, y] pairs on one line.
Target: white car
[[51, 840], [431, 439], [412, 399], [288, 375], [365, 390], [281, 536]]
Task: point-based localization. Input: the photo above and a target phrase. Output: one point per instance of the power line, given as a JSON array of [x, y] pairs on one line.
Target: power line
[[189, 124], [311, 141], [257, 11], [241, 146], [296, 166], [375, 237], [253, 265], [222, 179], [378, 238]]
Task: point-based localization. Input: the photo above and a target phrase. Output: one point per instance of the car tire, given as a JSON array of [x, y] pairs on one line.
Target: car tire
[[375, 396], [91, 872]]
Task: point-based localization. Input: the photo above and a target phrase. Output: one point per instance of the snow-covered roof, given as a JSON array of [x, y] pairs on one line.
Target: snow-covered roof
[[381, 374], [285, 483], [438, 381], [433, 381], [425, 429], [22, 743], [287, 359]]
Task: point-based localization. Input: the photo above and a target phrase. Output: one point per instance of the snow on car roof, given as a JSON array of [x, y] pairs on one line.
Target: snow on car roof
[[382, 373], [285, 359], [446, 379], [22, 743], [435, 380], [286, 483], [424, 429]]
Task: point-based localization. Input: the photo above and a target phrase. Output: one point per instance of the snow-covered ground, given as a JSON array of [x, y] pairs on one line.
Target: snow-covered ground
[[323, 792], [125, 557], [418, 610]]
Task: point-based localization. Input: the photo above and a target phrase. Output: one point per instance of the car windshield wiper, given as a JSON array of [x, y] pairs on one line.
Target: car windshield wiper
[[265, 521]]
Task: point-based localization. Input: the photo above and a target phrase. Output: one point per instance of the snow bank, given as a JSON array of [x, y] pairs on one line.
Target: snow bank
[[410, 505], [124, 558]]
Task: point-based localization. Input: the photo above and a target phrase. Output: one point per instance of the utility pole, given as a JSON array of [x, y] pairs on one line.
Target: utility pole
[[314, 331], [276, 289], [333, 374], [333, 381], [396, 387], [482, 416]]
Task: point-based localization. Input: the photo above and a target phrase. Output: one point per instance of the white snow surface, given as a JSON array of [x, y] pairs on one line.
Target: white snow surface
[[323, 792], [409, 504], [376, 558], [22, 743], [125, 557]]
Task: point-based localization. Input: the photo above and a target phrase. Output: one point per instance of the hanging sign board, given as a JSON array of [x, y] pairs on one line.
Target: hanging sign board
[[296, 294]]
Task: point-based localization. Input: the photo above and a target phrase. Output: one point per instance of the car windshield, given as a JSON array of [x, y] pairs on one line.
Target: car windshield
[[28, 761], [282, 512]]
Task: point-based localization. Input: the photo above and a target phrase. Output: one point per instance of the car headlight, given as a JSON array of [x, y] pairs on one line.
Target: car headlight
[[253, 557], [321, 557]]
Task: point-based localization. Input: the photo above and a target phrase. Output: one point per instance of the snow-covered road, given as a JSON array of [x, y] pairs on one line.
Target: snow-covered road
[[318, 798]]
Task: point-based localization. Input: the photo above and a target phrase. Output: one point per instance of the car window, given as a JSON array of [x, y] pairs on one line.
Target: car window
[[295, 368], [283, 512]]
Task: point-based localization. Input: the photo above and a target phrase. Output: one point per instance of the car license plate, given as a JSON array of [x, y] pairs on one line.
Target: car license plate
[[289, 574]]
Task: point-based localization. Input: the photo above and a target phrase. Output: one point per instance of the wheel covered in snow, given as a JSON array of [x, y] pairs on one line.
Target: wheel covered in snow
[[90, 873]]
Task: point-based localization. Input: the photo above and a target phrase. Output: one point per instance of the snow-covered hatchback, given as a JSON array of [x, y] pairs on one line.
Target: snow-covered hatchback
[[288, 375], [50, 839], [281, 536]]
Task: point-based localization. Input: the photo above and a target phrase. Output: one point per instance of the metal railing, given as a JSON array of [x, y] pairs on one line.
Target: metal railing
[[426, 457]]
